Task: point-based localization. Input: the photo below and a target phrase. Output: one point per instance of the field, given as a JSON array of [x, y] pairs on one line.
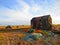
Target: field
[[9, 37], [16, 27]]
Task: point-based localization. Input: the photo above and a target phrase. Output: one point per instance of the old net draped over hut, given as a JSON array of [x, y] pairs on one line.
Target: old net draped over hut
[[42, 22]]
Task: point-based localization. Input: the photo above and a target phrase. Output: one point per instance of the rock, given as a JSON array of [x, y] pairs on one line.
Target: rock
[[36, 36]]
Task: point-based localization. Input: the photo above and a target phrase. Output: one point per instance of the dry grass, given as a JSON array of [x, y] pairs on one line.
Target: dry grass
[[14, 37], [56, 27], [16, 27], [10, 38]]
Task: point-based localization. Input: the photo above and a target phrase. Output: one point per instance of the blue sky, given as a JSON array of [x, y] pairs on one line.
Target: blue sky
[[20, 12]]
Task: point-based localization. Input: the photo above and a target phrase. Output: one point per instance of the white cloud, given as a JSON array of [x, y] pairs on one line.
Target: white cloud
[[35, 8], [15, 16], [23, 17]]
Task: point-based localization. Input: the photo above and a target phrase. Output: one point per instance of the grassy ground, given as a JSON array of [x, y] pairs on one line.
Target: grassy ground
[[13, 37]]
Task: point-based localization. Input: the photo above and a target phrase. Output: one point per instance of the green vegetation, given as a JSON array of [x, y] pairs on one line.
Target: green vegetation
[[31, 30], [45, 33]]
